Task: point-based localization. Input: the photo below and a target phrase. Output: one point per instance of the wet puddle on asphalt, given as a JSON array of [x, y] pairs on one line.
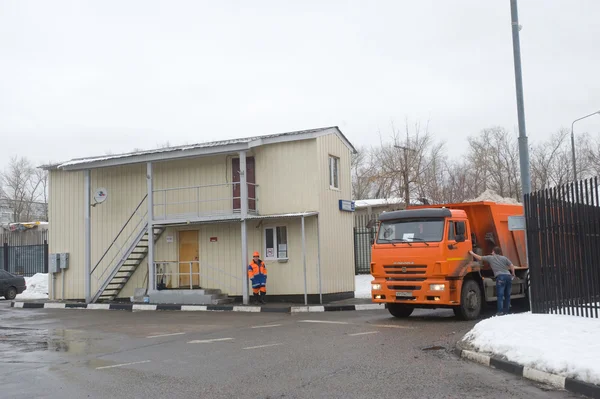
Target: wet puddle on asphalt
[[30, 345]]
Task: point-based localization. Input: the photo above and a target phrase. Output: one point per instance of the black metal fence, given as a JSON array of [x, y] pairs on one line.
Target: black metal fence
[[563, 238], [24, 253], [363, 234]]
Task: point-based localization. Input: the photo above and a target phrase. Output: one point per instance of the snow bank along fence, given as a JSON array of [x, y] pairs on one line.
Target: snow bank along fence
[[24, 252], [563, 238], [363, 234]]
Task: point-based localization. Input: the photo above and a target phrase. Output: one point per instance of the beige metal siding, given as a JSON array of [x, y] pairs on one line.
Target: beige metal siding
[[126, 187], [66, 229], [292, 178], [216, 197], [285, 174], [221, 261], [336, 227]]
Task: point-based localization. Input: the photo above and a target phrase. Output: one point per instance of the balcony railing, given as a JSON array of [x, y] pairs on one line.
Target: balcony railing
[[206, 201], [194, 275]]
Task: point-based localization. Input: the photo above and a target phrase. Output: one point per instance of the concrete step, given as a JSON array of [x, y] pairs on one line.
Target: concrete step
[[222, 301]]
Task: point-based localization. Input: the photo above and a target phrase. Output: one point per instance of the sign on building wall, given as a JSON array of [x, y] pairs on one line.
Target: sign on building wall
[[347, 206]]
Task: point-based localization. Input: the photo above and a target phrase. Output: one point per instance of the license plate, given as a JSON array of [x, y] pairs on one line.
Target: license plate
[[404, 294]]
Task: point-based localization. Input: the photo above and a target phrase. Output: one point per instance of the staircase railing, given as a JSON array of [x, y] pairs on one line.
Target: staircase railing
[[118, 249]]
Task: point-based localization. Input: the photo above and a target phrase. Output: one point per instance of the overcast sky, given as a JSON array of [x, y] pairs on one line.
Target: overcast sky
[[81, 78]]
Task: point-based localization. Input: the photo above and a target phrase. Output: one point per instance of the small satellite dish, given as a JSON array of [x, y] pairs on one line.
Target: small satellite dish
[[100, 195]]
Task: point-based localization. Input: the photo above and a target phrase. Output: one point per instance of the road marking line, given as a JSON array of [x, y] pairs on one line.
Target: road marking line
[[208, 341], [165, 335], [322, 321], [122, 365], [267, 326], [363, 333], [262, 346], [392, 326]]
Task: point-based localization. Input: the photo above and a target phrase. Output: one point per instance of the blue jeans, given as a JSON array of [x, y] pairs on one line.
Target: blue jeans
[[503, 288]]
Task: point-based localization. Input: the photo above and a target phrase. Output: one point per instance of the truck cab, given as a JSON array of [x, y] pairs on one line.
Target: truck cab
[[420, 257]]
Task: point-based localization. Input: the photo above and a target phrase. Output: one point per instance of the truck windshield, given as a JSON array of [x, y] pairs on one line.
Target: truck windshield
[[410, 230]]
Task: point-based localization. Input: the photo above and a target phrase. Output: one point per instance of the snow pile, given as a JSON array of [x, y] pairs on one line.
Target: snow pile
[[362, 286], [491, 195], [37, 287], [565, 345]]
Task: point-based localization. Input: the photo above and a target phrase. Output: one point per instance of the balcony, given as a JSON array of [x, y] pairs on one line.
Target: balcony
[[209, 202]]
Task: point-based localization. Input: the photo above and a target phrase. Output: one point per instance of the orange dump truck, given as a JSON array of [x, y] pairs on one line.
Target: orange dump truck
[[420, 257]]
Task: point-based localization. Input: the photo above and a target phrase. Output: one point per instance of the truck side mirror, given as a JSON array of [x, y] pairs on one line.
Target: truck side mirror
[[460, 238], [460, 229]]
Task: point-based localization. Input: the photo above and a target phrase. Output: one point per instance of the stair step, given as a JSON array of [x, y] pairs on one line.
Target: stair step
[[222, 301]]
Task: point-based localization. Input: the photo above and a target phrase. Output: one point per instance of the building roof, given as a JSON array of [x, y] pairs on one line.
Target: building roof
[[377, 202], [186, 151]]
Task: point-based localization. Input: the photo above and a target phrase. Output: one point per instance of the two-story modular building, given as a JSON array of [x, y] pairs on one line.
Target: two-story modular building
[[183, 222]]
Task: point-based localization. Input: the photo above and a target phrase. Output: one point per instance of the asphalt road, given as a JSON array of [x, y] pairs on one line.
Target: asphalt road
[[367, 354]]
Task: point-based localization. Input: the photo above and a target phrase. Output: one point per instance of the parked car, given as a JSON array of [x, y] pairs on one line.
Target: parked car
[[11, 285]]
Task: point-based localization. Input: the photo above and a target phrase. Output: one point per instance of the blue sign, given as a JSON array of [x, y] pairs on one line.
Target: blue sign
[[346, 205]]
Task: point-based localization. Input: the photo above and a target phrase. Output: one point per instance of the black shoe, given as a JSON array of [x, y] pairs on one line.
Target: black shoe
[[262, 297], [256, 298]]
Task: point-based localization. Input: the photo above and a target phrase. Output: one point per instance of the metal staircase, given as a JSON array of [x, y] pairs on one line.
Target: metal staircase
[[122, 258]]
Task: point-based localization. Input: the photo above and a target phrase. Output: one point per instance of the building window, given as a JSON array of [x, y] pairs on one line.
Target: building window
[[276, 243], [334, 172]]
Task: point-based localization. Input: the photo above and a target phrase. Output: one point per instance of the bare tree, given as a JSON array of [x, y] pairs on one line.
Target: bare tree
[[494, 159], [24, 188], [408, 165], [363, 173]]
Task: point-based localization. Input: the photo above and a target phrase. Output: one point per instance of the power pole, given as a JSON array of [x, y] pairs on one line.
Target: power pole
[[523, 146]]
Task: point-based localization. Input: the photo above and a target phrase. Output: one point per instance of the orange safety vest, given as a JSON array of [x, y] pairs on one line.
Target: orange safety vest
[[257, 272]]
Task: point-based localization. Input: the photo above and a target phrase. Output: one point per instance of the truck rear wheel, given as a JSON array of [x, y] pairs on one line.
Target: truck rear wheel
[[470, 301], [399, 310]]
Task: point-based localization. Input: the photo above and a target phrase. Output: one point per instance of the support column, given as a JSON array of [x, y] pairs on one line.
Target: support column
[[319, 262], [150, 217], [87, 278], [304, 262], [244, 214]]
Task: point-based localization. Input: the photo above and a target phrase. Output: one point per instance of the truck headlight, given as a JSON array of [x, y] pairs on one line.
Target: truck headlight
[[375, 287], [437, 287]]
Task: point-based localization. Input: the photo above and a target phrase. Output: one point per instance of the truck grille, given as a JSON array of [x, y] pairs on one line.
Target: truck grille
[[405, 270], [404, 287]]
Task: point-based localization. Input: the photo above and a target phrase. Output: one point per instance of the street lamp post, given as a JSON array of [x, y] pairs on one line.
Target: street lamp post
[[573, 142]]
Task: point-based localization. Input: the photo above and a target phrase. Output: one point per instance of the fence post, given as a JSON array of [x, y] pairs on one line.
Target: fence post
[[46, 255], [5, 254]]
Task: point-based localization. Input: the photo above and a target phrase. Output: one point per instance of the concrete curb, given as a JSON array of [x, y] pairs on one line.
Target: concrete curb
[[555, 380], [194, 308]]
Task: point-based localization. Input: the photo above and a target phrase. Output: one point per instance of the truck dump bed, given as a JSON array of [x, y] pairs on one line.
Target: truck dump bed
[[489, 224]]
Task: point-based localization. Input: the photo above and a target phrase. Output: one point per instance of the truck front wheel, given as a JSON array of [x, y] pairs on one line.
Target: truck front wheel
[[470, 301], [399, 310]]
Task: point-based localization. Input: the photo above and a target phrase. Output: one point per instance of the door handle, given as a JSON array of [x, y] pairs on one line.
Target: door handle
[[452, 246]]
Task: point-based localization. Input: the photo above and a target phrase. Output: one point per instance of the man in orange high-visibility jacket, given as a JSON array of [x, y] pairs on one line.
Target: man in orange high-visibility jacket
[[257, 273]]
